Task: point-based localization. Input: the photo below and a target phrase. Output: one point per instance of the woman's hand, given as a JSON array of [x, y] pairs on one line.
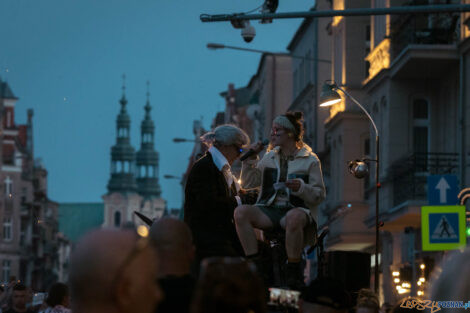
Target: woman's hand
[[293, 184]]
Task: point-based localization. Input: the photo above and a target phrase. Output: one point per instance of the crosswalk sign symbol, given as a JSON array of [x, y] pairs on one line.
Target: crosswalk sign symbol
[[443, 227], [440, 226]]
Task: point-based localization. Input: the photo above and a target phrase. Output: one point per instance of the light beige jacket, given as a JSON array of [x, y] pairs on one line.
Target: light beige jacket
[[305, 162]]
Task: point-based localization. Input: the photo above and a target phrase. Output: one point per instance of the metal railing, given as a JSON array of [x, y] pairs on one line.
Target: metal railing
[[423, 29], [409, 174]]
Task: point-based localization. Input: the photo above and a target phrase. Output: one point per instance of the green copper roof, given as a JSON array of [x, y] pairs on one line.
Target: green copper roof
[[75, 219]]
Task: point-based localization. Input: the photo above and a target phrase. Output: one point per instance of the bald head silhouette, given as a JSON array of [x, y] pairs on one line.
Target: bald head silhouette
[[174, 243], [100, 284]]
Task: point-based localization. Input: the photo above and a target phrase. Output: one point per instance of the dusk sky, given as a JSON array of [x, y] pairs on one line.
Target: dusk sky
[[65, 59]]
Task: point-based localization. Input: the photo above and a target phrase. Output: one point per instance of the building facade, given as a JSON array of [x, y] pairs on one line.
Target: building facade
[[29, 239], [416, 90]]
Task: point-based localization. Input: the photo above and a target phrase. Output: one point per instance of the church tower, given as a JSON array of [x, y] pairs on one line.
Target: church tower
[[122, 154], [147, 157], [122, 198], [133, 186]]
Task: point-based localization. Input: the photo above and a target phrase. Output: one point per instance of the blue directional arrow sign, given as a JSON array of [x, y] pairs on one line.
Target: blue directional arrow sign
[[442, 189]]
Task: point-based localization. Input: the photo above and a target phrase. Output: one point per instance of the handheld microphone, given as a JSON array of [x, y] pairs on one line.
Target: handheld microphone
[[253, 152]]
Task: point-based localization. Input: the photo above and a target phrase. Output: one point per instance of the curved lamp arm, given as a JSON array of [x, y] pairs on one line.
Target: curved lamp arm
[[362, 108]]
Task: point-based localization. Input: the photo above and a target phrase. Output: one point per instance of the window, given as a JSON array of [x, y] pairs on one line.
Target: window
[[117, 219], [6, 265], [151, 171], [126, 166], [7, 229], [8, 118], [122, 132], [8, 186], [142, 171]]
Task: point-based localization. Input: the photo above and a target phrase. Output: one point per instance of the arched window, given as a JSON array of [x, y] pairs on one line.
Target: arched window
[[126, 166], [119, 166], [117, 219], [151, 171], [142, 171]]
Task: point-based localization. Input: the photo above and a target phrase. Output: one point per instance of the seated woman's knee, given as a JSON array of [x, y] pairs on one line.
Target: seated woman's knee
[[242, 213], [296, 218]]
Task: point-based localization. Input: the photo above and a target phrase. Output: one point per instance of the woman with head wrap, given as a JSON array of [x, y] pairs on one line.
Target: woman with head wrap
[[291, 188]]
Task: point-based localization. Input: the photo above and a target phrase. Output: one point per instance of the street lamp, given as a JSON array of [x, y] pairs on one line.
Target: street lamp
[[171, 177], [178, 140], [215, 46], [328, 97]]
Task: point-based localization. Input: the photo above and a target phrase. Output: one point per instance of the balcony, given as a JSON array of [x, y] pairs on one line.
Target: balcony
[[420, 40], [409, 174]]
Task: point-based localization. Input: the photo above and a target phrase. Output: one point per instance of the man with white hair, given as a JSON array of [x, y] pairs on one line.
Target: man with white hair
[[212, 193]]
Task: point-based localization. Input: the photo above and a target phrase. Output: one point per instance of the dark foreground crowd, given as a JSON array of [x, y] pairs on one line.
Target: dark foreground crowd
[[127, 271]]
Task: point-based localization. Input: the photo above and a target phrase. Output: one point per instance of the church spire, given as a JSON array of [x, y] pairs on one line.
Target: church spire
[[147, 157], [122, 153]]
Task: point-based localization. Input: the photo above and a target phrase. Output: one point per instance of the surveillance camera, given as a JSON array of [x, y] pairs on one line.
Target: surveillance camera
[[248, 32]]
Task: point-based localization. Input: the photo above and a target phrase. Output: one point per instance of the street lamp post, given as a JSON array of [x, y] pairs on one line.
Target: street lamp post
[[178, 140], [215, 46], [171, 177], [328, 97]]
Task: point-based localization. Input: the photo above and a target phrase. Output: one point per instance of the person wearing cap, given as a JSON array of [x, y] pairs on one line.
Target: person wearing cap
[[212, 193], [326, 296], [291, 188]]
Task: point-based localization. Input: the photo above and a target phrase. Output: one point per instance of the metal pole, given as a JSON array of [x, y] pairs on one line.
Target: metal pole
[[377, 241], [215, 46], [377, 188], [423, 9], [462, 122]]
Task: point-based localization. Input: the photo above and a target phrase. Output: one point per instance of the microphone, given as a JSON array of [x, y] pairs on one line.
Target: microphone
[[253, 152]]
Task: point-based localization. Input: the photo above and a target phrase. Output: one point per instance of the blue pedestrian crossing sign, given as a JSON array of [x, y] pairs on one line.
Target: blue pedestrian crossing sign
[[443, 227], [443, 189]]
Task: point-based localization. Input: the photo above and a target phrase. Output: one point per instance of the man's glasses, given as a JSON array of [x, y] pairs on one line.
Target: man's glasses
[[239, 149], [277, 131]]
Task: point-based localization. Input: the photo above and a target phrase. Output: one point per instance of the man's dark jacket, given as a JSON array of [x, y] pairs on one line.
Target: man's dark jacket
[[208, 210]]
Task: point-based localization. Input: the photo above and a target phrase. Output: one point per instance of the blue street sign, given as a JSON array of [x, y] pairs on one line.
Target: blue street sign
[[443, 189]]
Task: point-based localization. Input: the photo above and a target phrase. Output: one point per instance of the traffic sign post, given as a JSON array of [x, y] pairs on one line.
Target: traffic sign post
[[443, 189], [443, 227]]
